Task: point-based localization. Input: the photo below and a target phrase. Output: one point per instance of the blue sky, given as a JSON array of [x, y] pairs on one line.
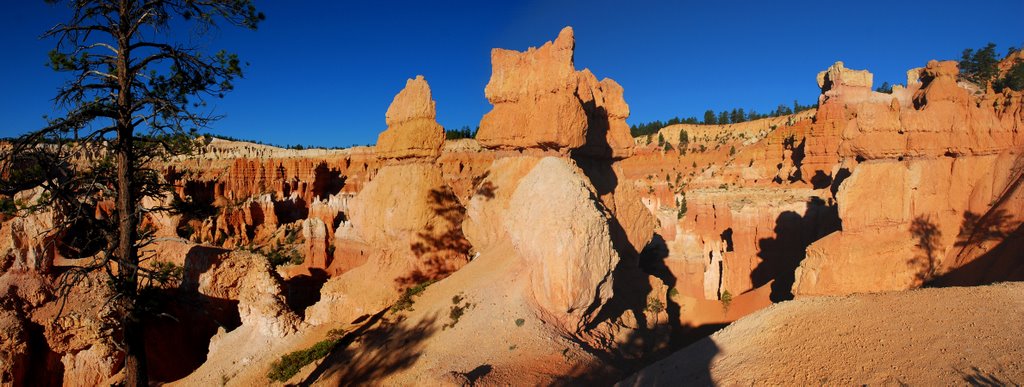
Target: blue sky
[[323, 72]]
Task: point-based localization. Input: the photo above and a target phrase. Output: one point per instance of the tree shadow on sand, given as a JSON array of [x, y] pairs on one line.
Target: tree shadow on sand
[[690, 361], [977, 377], [374, 351]]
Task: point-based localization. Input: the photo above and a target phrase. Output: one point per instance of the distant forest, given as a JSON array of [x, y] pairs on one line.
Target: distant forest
[[295, 147], [463, 132], [733, 116], [981, 67]]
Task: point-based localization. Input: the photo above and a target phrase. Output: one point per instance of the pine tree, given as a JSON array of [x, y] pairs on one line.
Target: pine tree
[[134, 95], [709, 117], [981, 66]]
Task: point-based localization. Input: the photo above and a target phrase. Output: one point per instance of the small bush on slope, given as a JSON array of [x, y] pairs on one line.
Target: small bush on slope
[[290, 364], [726, 301], [654, 305], [405, 302]]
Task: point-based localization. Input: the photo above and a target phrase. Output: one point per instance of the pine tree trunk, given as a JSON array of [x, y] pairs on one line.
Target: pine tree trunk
[[128, 259], [135, 373], [135, 353]]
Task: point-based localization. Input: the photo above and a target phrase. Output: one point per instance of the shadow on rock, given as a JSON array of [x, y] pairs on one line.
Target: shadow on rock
[[781, 255], [990, 249], [441, 248]]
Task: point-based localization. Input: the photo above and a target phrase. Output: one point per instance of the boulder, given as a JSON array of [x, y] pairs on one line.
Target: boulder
[[556, 228]]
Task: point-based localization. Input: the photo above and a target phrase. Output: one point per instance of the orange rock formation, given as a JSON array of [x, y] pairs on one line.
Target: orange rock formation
[[553, 231]]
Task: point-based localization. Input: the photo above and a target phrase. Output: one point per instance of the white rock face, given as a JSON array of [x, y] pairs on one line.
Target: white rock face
[[555, 224]]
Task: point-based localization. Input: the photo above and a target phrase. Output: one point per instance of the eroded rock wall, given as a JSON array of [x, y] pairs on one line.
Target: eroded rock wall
[[922, 174]]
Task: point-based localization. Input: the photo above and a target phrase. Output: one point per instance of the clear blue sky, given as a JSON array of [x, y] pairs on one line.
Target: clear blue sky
[[324, 72]]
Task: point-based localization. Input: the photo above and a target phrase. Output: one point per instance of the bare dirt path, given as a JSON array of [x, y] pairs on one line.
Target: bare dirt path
[[966, 335]]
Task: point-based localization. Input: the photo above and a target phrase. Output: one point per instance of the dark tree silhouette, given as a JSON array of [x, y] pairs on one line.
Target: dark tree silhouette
[[464, 132], [709, 117], [928, 237], [723, 117], [441, 248], [1014, 78], [981, 66], [136, 92]]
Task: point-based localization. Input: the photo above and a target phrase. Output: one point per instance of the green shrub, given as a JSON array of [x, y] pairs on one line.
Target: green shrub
[[457, 311], [672, 293], [520, 322], [654, 305], [280, 256], [682, 207], [7, 206], [405, 301], [726, 300], [290, 364], [163, 273], [291, 236]]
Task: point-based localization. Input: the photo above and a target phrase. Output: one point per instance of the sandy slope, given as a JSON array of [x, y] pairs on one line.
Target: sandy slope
[[920, 337]]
